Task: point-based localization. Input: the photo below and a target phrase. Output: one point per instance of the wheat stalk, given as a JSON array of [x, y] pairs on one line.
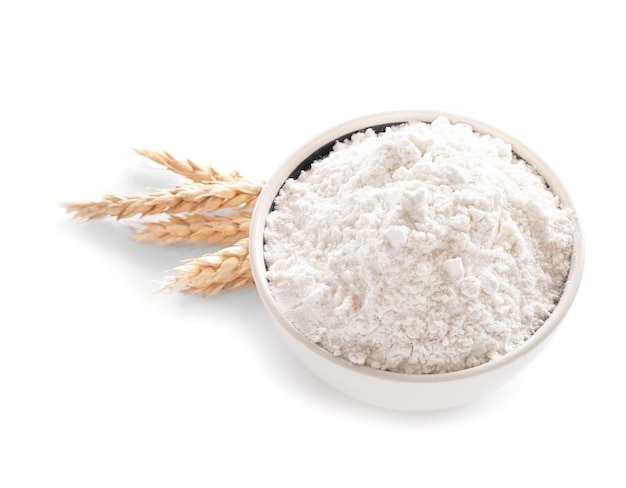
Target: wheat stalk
[[196, 228], [212, 273], [189, 169], [193, 197]]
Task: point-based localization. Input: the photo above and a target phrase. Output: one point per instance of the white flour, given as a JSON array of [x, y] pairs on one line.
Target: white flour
[[424, 249]]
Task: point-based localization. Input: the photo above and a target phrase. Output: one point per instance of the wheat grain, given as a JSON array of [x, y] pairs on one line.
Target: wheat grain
[[210, 274], [189, 169], [196, 228], [193, 197]]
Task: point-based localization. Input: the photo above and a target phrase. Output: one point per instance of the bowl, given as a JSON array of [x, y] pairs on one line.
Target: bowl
[[400, 391]]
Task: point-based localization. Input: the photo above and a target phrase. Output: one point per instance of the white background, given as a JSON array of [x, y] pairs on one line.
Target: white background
[[105, 383]]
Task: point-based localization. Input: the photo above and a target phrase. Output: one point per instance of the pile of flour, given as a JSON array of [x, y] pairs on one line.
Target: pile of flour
[[427, 248]]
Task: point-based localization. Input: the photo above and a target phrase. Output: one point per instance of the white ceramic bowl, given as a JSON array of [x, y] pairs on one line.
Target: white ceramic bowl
[[397, 390]]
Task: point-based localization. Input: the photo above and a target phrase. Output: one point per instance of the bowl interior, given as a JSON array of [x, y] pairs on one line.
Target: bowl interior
[[327, 148]]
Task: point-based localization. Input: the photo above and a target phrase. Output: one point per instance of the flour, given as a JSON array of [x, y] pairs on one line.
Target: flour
[[427, 248]]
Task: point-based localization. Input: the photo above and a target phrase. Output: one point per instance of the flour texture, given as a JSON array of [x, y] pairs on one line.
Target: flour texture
[[427, 248]]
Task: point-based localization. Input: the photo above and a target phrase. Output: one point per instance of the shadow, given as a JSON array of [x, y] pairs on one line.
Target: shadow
[[144, 261], [145, 176]]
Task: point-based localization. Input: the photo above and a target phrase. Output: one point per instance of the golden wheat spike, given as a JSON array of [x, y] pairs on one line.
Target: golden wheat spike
[[193, 197], [213, 273], [189, 169], [196, 228]]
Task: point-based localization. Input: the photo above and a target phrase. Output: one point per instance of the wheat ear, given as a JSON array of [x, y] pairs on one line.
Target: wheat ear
[[212, 273], [189, 169], [193, 197], [196, 228]]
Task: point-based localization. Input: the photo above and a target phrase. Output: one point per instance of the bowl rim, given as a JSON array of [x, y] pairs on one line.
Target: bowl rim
[[282, 172]]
